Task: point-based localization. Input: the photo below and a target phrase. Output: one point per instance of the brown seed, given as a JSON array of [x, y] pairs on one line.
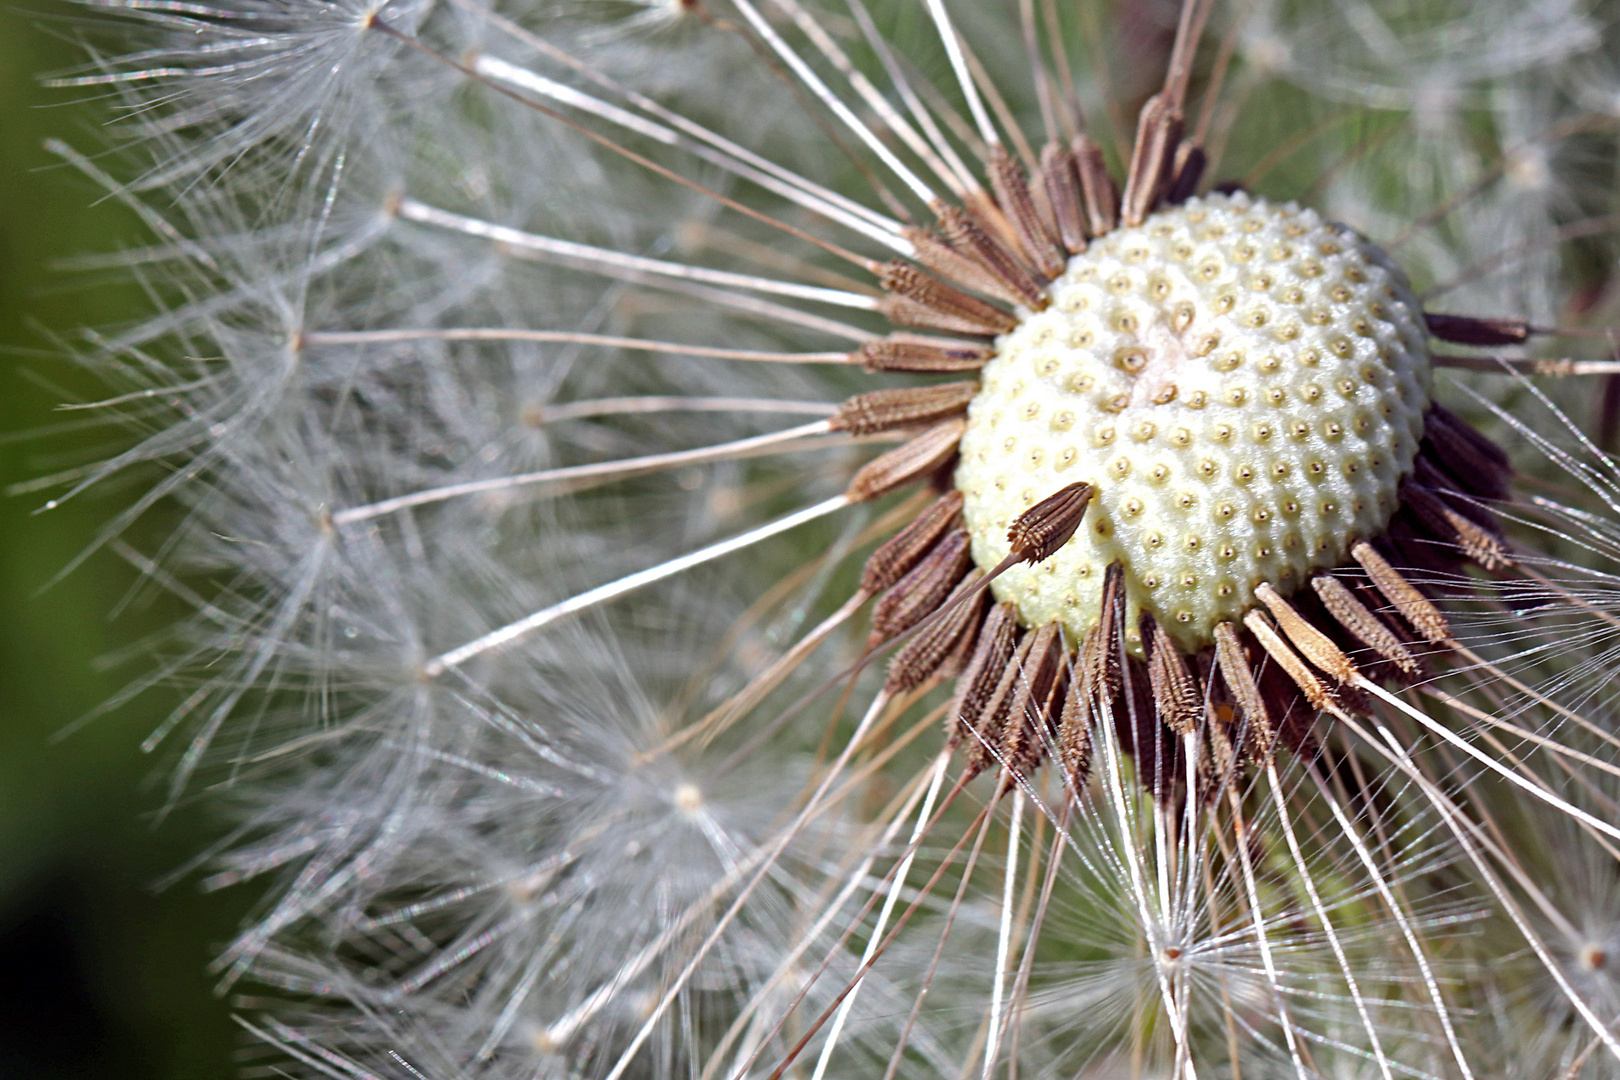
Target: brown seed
[[1158, 130], [1317, 647], [932, 650], [1453, 527], [997, 638], [1176, 693], [980, 206], [1222, 756], [1011, 188], [986, 748], [1414, 607], [1074, 732], [1418, 551], [1012, 728], [908, 406], [912, 352], [1096, 186], [1295, 716], [1259, 730], [935, 253], [971, 240], [908, 462], [1062, 185], [1362, 624], [957, 660], [922, 590], [1045, 708], [1438, 414], [1040, 531], [916, 299], [1377, 603], [1155, 748], [1428, 472], [1210, 779], [1103, 646], [1314, 689], [1474, 463], [901, 552]]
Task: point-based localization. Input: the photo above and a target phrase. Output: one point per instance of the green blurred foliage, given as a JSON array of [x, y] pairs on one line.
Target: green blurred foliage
[[100, 975]]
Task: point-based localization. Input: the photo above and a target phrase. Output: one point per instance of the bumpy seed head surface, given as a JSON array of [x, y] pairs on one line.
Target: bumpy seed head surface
[[1243, 383]]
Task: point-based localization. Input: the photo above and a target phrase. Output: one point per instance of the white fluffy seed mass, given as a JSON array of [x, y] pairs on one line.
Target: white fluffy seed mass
[[1244, 384]]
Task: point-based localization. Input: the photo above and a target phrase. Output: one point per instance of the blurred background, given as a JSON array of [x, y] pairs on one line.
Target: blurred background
[[101, 975]]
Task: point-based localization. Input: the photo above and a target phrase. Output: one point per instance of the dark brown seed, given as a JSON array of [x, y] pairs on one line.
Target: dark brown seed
[[1176, 693], [1158, 130], [1314, 689], [933, 648], [1362, 624], [1039, 734], [1223, 756], [1062, 185], [1467, 330], [1294, 715], [1156, 749], [901, 552], [1474, 463], [997, 638], [1415, 548], [973, 241], [1103, 646], [1011, 188], [1074, 732], [1259, 732], [1096, 186], [1188, 170], [907, 462], [1462, 429], [1452, 526], [912, 352], [1316, 646], [1041, 530], [1012, 727], [989, 727], [916, 299], [922, 590], [909, 406], [1428, 473]]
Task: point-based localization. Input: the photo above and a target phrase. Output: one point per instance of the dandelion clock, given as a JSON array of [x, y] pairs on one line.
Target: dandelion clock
[[759, 538]]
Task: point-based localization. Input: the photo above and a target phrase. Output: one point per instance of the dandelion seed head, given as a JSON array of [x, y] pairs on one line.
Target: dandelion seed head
[[1594, 956], [1244, 385], [528, 824], [688, 799], [1529, 169]]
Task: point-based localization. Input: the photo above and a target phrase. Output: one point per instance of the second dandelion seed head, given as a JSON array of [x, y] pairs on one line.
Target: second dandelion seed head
[[1245, 385]]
